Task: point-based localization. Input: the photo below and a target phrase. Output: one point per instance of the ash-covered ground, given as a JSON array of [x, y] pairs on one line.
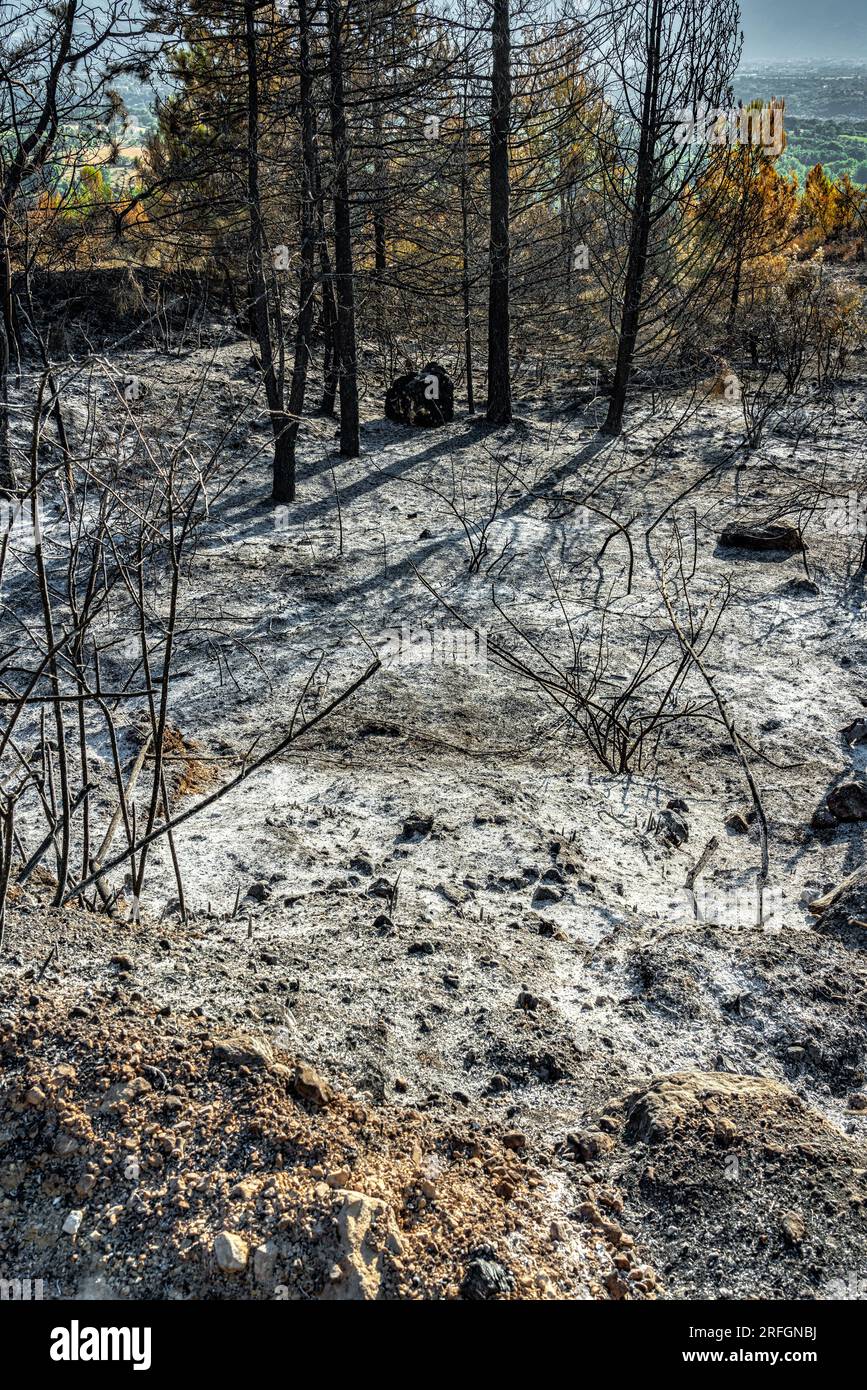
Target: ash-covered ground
[[440, 898]]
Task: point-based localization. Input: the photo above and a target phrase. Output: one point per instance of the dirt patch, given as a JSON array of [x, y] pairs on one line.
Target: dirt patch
[[736, 1184], [150, 1157]]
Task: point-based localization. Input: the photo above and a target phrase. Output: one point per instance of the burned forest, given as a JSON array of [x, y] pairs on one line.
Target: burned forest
[[433, 631]]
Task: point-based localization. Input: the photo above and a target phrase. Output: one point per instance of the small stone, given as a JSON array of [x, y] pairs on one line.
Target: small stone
[[401, 1084], [72, 1223], [35, 1096], [858, 1101], [671, 828], [848, 802], [123, 962], [242, 1052], [793, 1226], [308, 1084], [416, 826], [486, 1277], [230, 1251], [527, 1001], [125, 1092], [264, 1261], [514, 1140], [589, 1145]]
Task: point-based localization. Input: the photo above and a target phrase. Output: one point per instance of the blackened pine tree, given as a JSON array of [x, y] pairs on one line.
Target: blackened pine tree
[[345, 324], [499, 410]]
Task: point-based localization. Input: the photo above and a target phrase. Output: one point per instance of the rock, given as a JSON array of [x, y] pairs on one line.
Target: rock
[[671, 828], [793, 1227], [589, 1144], [72, 1223], [421, 398], [416, 826], [366, 1227], [545, 893], [231, 1252], [452, 895], [514, 1140], [486, 1277], [35, 1096], [823, 819], [739, 822], [308, 1084], [123, 962], [757, 536], [552, 875], [242, 1052], [258, 892], [124, 1092], [527, 1001], [848, 802], [264, 1262], [856, 732], [858, 1101], [381, 888]]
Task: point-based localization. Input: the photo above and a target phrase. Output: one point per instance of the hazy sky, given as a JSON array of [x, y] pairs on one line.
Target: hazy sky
[[782, 29]]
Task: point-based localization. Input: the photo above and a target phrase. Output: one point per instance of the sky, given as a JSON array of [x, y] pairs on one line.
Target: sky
[[779, 30]]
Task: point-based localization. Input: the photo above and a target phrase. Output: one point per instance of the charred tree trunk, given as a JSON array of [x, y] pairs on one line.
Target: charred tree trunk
[[499, 386], [257, 283], [7, 473], [307, 273], [329, 304], [465, 294], [345, 323], [636, 264]]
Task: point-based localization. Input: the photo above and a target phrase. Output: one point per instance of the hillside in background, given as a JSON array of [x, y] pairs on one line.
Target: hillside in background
[[826, 113]]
